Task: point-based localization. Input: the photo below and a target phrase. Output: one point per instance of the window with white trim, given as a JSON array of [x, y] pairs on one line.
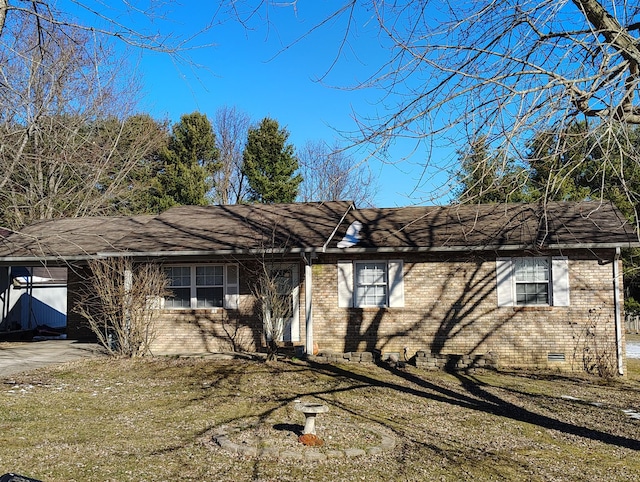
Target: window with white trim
[[375, 283], [533, 281], [202, 286], [371, 284]]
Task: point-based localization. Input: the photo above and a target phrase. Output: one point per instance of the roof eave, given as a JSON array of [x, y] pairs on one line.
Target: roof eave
[[24, 260], [204, 253], [8, 260], [496, 247]]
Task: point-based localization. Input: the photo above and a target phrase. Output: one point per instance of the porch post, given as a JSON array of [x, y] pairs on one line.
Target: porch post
[[308, 291], [617, 312]]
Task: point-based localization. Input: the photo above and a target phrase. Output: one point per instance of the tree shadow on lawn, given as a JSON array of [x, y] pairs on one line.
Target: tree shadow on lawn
[[289, 427], [477, 398]]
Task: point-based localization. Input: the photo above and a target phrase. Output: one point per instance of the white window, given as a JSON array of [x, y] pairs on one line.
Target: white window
[[209, 286], [532, 281], [204, 286], [180, 287], [529, 281], [370, 284]]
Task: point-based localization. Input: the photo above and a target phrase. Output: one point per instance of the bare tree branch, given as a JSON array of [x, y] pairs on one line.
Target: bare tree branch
[[455, 71]]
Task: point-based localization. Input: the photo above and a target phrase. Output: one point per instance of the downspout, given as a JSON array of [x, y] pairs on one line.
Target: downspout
[[6, 299], [308, 305], [126, 312], [30, 295], [617, 311]]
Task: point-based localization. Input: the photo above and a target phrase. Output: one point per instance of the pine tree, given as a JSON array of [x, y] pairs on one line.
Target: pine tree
[[489, 176], [270, 164], [190, 160]]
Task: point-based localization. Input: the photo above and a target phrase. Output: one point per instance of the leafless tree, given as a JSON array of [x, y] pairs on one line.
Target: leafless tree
[[273, 285], [120, 303], [457, 70], [230, 126], [68, 143], [148, 27], [273, 292], [329, 174]]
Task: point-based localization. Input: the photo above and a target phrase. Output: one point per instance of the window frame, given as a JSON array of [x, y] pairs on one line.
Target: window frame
[[531, 268], [229, 286], [348, 283], [558, 282], [360, 300]]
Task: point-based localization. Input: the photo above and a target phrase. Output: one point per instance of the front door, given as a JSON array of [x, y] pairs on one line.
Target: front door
[[287, 280]]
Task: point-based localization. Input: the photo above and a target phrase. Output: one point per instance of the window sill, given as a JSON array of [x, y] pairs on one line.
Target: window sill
[[370, 308], [533, 308], [195, 311]]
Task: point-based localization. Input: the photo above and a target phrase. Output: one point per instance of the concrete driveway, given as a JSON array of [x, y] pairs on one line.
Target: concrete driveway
[[16, 357], [633, 349]]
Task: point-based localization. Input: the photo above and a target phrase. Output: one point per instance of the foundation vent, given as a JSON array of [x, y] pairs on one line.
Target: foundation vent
[[555, 357]]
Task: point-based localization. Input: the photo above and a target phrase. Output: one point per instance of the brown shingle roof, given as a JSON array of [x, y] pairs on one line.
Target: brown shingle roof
[[309, 226], [181, 229], [238, 228], [70, 237], [492, 226]]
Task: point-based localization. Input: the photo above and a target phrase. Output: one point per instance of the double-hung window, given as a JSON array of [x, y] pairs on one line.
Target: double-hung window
[[533, 281], [375, 284], [371, 284], [180, 287], [209, 286], [203, 286]]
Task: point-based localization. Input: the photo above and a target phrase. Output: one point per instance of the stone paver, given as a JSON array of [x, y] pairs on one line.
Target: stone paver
[[222, 439]]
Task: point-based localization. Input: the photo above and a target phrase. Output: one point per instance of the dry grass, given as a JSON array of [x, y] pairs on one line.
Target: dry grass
[[152, 420]]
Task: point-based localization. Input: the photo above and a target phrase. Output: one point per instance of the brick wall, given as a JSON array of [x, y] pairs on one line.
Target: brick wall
[[206, 330], [179, 331], [451, 308]]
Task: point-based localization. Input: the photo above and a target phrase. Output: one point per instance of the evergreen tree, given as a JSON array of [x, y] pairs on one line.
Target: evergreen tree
[[270, 164], [488, 176], [559, 164], [190, 161], [145, 138]]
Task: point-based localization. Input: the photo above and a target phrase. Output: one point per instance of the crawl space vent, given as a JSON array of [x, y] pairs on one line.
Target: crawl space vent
[[555, 357]]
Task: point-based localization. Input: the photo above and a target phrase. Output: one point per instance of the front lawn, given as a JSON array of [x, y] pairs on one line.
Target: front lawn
[[154, 419]]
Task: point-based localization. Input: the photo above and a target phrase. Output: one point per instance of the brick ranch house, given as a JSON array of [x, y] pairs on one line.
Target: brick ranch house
[[519, 284]]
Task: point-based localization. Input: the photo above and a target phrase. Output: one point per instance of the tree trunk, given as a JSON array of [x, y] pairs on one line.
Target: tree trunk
[[4, 7]]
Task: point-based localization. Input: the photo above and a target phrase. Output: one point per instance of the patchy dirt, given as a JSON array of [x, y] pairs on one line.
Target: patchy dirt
[[337, 430], [155, 420]]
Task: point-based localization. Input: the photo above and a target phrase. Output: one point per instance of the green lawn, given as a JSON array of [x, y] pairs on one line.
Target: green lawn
[[125, 420]]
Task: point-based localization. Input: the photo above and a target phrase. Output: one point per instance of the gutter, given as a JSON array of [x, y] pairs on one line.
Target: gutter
[[312, 250], [44, 259], [491, 247], [617, 312], [29, 260], [220, 252]]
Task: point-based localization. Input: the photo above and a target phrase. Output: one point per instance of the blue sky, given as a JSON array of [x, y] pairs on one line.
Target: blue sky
[[242, 67]]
